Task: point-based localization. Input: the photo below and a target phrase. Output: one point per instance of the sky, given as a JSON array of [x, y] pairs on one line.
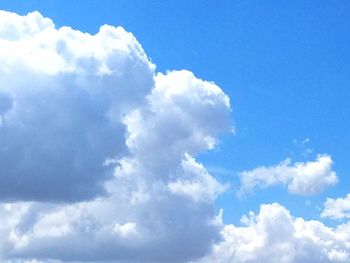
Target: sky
[[174, 131]]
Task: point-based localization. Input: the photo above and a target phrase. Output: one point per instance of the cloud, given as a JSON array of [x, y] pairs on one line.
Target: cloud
[[308, 178], [99, 156], [337, 208], [273, 235], [196, 182], [98, 160], [63, 95]]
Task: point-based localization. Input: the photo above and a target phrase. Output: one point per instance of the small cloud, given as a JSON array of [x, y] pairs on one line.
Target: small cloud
[[307, 178], [337, 208]]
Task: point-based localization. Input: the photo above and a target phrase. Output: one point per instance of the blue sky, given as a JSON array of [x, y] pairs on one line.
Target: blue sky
[[284, 64]]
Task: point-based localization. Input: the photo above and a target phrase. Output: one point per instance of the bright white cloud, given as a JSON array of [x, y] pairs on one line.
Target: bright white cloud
[[84, 115], [337, 208], [275, 236], [301, 178]]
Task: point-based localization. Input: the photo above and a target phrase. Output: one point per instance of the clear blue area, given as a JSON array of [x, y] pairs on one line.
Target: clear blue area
[[285, 65]]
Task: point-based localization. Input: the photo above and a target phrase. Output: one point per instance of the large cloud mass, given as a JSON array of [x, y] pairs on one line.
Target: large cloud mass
[[63, 95], [97, 150]]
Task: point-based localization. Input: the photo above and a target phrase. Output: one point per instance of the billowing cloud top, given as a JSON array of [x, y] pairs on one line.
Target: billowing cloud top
[[274, 236], [97, 150], [63, 95]]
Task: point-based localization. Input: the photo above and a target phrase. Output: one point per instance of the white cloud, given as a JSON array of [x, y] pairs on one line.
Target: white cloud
[[337, 208], [274, 235], [63, 95], [196, 182], [85, 115], [97, 157], [126, 229], [301, 178]]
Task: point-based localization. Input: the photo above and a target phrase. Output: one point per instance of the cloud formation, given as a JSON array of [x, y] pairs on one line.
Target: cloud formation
[[98, 160], [98, 150], [63, 96], [308, 178], [274, 236], [337, 208]]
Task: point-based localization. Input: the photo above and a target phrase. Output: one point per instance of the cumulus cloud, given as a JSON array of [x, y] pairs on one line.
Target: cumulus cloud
[[196, 182], [273, 235], [98, 160], [337, 208], [85, 119], [301, 178], [63, 95]]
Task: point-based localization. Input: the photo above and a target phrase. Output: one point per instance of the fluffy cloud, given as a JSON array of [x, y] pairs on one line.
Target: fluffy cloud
[[337, 208], [97, 157], [301, 178], [63, 95], [83, 115], [273, 235]]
